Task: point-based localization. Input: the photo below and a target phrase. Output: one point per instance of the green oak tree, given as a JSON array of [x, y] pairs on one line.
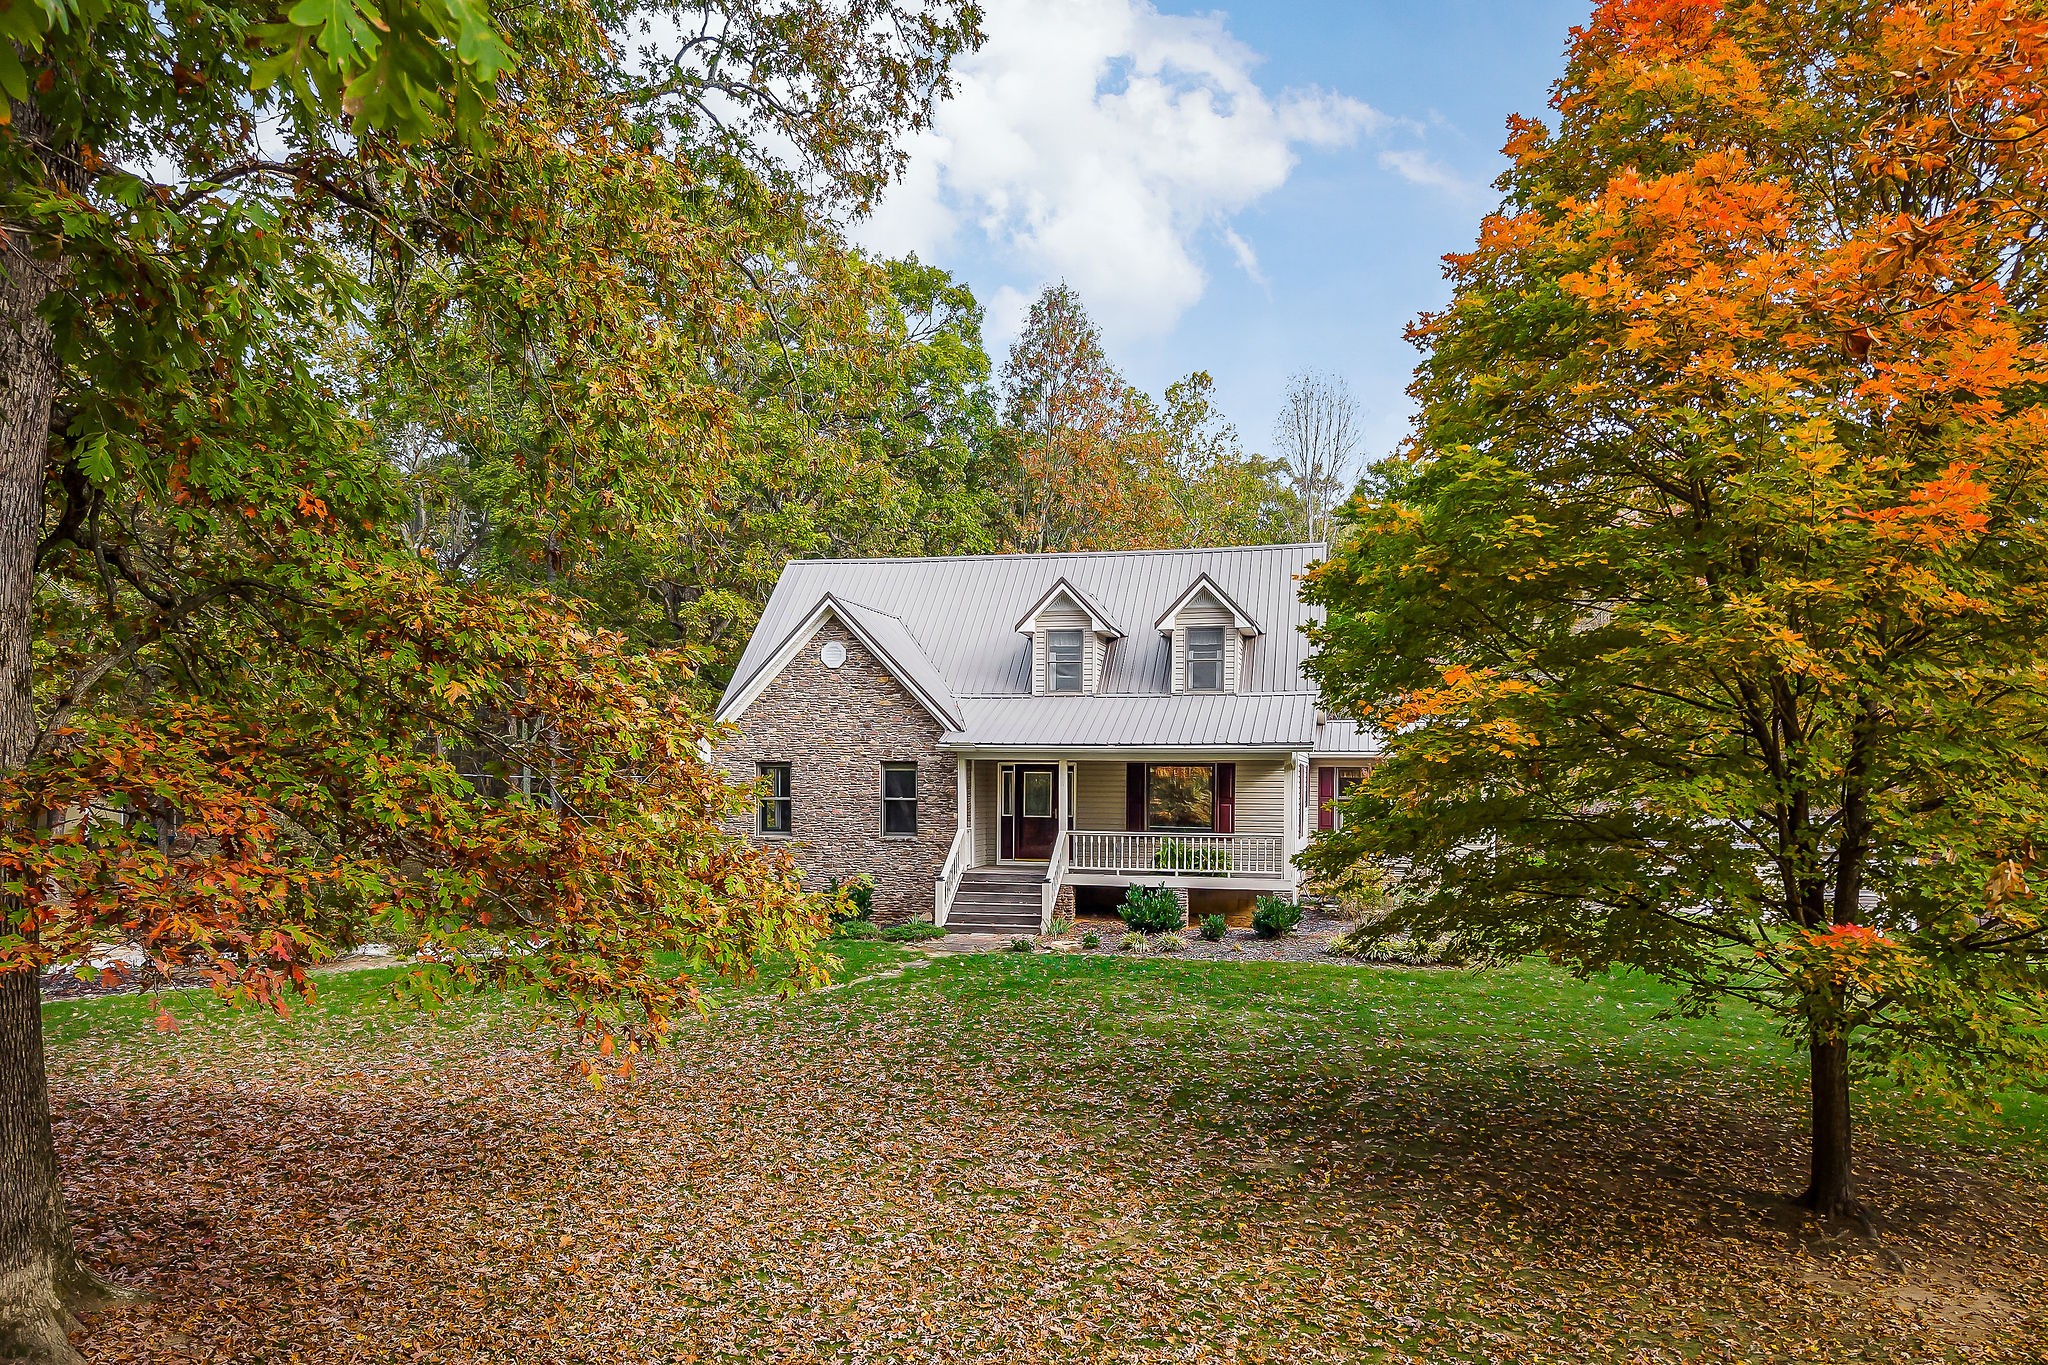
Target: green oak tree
[[242, 715]]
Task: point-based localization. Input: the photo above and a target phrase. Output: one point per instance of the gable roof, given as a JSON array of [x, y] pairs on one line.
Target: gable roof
[[883, 635], [1062, 588], [940, 625], [1242, 618]]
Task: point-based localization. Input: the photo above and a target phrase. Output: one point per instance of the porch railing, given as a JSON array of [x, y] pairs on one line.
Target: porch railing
[[1055, 873], [1178, 855], [954, 869]]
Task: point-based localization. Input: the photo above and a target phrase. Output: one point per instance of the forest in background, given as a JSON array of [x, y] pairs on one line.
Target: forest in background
[[875, 423]]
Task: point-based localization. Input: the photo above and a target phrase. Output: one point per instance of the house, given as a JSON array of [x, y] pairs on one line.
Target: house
[[996, 739]]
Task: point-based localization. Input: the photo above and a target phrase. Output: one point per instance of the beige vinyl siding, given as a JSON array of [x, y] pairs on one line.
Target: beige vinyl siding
[[1063, 615], [1262, 797], [1099, 796], [1205, 610], [984, 791]]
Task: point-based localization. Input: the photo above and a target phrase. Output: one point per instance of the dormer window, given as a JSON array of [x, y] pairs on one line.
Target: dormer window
[[1070, 640], [1209, 635], [1063, 661], [1205, 659]]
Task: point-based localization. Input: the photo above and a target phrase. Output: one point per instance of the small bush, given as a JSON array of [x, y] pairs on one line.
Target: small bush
[[1170, 943], [1020, 944], [1133, 942], [853, 901], [1149, 909], [1178, 855], [1213, 927], [1370, 943], [1091, 940], [1062, 925], [1274, 916], [858, 929], [917, 931]]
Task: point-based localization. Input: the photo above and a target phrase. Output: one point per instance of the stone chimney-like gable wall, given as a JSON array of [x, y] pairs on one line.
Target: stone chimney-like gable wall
[[836, 728]]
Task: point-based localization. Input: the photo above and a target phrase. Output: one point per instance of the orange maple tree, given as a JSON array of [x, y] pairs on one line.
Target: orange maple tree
[[1703, 610]]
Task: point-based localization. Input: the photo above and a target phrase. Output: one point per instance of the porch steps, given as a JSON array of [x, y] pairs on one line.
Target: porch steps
[[997, 900]]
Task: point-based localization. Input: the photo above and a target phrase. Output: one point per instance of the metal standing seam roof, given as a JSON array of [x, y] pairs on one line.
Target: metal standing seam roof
[[956, 616], [1348, 738]]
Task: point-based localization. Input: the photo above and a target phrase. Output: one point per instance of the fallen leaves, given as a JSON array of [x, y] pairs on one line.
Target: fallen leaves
[[996, 1161]]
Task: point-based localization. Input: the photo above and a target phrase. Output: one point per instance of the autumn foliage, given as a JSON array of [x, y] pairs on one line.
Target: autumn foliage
[[1703, 610]]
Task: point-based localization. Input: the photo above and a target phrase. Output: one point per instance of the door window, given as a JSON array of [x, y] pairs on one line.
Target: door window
[[1038, 795]]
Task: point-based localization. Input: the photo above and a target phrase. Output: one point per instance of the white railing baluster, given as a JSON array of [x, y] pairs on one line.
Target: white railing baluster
[[1225, 854]]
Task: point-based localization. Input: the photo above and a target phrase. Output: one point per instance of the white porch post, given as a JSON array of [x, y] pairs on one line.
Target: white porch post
[[963, 774], [1297, 838]]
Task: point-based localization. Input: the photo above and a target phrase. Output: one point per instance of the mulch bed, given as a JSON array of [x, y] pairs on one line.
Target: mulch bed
[[1310, 941]]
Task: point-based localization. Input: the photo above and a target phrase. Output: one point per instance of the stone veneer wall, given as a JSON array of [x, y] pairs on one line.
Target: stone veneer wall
[[836, 728]]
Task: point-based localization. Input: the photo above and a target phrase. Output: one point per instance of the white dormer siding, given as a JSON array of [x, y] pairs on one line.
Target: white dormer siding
[[1204, 611], [1062, 615]]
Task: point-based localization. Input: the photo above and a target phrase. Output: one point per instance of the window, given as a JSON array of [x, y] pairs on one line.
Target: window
[[1063, 661], [1347, 781], [1037, 794], [1205, 659], [899, 798], [775, 808], [1180, 796]]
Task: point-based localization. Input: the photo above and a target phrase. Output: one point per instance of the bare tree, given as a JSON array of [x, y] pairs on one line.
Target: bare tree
[[1317, 438]]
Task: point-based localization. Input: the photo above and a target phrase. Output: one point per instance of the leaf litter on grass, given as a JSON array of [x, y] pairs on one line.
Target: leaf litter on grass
[[953, 1166]]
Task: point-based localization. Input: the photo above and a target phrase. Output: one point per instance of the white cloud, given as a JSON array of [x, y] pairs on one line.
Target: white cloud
[[1247, 259], [1418, 167], [1098, 141]]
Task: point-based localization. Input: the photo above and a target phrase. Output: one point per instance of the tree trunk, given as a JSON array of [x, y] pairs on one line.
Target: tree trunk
[[1829, 1190], [39, 1271]]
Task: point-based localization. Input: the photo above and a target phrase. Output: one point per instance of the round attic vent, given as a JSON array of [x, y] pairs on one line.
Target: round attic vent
[[833, 654]]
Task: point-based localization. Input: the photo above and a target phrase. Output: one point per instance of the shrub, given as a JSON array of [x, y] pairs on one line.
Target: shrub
[[853, 901], [1062, 925], [1170, 943], [857, 929], [1148, 909], [1212, 927], [1274, 916], [1133, 942], [1020, 944], [1091, 940], [1360, 891], [1178, 855], [1370, 943], [916, 931]]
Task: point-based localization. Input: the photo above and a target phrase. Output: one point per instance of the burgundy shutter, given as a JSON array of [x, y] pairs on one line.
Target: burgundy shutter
[[1134, 796], [1226, 798], [1326, 792]]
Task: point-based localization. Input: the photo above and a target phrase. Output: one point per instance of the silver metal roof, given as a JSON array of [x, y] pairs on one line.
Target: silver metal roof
[[1272, 720], [957, 616], [1347, 737]]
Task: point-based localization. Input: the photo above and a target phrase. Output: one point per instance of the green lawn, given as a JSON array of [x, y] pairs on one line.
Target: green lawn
[[1012, 1157]]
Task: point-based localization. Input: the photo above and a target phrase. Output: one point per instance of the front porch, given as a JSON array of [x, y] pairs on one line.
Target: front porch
[[1033, 827]]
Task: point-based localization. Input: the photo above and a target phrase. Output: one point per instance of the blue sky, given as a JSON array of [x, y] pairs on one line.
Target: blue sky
[[1248, 190]]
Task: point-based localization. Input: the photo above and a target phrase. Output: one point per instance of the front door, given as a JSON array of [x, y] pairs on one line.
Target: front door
[[1032, 825]]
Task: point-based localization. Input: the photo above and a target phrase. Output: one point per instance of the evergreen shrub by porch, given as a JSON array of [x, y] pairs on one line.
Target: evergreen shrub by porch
[[1091, 941], [1274, 916], [1149, 909], [1178, 855], [914, 932], [1213, 927], [857, 929]]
